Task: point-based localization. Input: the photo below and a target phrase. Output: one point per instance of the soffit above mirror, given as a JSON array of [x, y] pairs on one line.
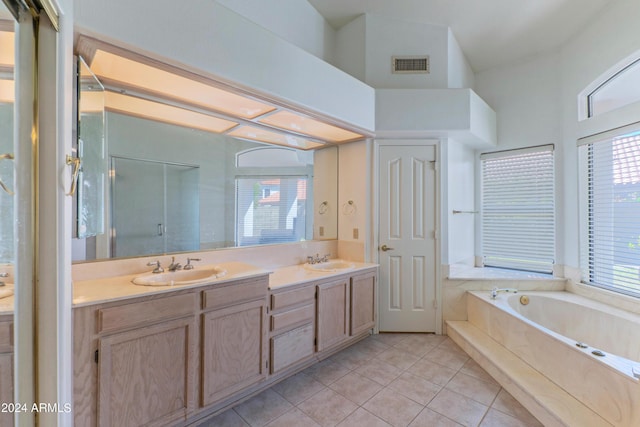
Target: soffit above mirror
[[143, 87]]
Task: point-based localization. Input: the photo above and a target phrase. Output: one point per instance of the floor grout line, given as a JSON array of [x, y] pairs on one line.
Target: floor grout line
[[365, 355]]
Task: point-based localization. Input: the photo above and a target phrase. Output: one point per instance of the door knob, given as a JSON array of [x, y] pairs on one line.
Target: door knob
[[385, 248]]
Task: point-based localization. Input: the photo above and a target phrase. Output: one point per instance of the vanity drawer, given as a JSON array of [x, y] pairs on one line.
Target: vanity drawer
[[147, 312], [292, 347], [234, 294], [293, 317], [290, 298]]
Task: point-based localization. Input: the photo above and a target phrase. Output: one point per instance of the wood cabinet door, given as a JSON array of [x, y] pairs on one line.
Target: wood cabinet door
[[333, 313], [233, 350], [363, 303], [147, 375], [6, 387]]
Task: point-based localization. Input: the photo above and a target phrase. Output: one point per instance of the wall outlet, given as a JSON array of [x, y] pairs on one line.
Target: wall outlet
[[321, 231], [355, 233]]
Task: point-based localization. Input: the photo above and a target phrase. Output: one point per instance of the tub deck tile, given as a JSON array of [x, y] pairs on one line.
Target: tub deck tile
[[548, 402]]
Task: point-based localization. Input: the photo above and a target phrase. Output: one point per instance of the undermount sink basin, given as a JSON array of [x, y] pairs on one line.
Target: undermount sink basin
[[331, 265], [180, 277], [6, 290]]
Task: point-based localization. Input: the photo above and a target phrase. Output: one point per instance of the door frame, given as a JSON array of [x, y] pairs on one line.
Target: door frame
[[374, 253]]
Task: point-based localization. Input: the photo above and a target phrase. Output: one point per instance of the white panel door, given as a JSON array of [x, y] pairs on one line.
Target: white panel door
[[407, 238]]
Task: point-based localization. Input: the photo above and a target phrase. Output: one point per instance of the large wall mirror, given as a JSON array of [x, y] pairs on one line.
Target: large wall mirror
[[7, 96], [161, 174]]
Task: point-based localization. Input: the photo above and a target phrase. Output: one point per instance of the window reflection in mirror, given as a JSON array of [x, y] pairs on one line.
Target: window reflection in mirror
[[273, 196]]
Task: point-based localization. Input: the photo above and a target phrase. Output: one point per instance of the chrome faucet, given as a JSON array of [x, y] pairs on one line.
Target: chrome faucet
[[189, 266], [174, 266], [158, 268], [3, 275], [496, 291], [317, 259]]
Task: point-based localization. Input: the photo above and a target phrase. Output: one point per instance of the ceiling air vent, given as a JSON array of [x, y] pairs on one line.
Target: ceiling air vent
[[410, 64]]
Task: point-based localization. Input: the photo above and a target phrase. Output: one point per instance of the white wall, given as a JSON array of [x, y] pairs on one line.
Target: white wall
[[350, 52], [366, 45], [527, 100], [325, 189], [459, 194], [293, 20], [387, 37], [352, 185], [460, 74]]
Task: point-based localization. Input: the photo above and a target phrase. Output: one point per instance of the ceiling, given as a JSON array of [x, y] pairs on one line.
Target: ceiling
[[491, 32]]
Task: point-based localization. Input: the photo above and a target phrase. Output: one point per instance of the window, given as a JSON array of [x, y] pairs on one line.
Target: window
[[623, 88], [611, 245], [518, 209], [273, 195], [271, 210]]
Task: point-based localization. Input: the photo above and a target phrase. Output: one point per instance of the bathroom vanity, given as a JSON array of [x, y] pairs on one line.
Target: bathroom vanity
[[6, 367], [173, 355]]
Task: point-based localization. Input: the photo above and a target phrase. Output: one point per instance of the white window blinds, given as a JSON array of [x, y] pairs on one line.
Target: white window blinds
[[611, 249], [518, 209]]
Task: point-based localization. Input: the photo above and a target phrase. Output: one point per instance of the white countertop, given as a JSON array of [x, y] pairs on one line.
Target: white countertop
[[6, 305], [90, 292], [299, 274]]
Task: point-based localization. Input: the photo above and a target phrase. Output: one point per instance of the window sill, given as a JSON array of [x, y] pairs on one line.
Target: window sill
[[465, 272]]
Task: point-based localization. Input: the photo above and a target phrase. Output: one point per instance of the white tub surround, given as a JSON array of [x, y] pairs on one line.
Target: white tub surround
[[531, 349], [459, 280]]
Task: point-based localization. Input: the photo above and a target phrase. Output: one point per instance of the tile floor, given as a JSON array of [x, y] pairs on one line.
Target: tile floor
[[412, 380]]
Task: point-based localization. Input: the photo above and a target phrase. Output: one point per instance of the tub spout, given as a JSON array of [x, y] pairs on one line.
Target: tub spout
[[496, 291]]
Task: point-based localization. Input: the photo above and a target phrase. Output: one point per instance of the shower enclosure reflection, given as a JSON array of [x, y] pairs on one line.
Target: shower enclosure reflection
[[90, 149], [6, 177], [155, 207]]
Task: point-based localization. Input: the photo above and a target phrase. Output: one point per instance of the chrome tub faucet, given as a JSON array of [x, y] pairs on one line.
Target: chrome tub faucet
[[495, 291]]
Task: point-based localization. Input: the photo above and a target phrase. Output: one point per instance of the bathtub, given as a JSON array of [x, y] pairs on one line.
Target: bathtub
[[589, 349]]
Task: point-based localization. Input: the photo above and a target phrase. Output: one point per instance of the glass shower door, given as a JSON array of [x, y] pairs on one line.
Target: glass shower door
[[182, 231], [155, 208]]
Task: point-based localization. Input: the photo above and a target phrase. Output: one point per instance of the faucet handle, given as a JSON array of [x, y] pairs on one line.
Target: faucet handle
[[158, 268], [189, 266], [325, 258]]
